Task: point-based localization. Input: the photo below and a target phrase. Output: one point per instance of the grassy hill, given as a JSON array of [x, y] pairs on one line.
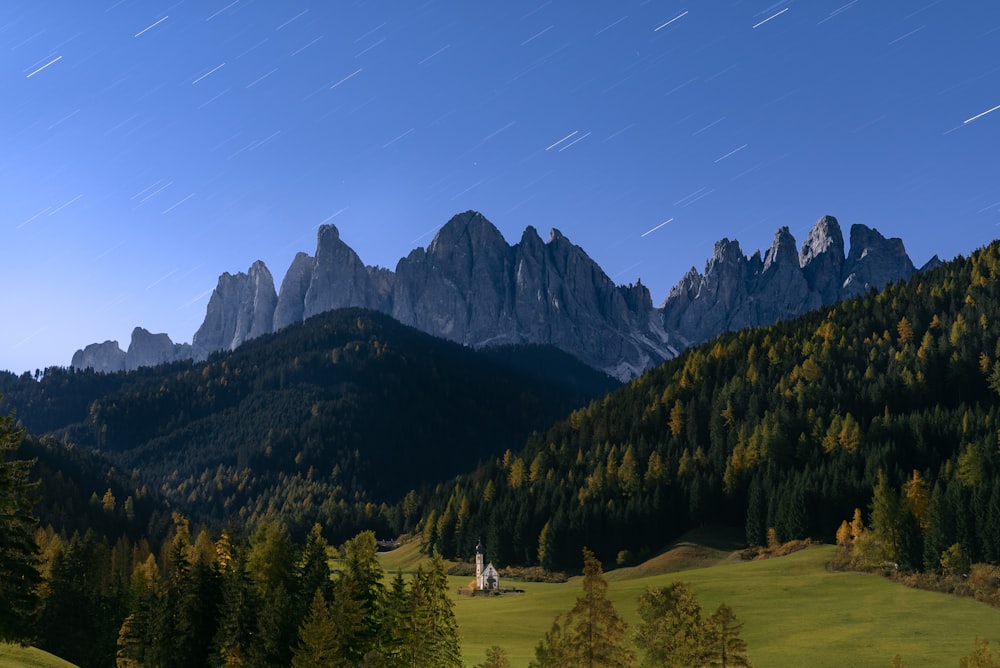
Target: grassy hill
[[795, 612], [14, 656]]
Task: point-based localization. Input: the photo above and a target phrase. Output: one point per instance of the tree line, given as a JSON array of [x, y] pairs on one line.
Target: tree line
[[784, 427]]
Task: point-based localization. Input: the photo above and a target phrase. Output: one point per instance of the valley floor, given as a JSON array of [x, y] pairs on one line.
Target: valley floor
[[795, 612]]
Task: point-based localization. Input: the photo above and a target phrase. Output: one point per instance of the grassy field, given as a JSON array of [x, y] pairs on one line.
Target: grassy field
[[795, 612], [13, 656]]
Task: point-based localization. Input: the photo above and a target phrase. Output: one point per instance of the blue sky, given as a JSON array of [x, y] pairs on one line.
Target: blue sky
[[147, 147]]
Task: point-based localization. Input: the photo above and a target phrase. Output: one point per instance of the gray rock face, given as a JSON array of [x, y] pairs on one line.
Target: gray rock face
[[147, 349], [339, 277], [292, 297], [781, 289], [736, 292], [714, 301], [470, 286], [459, 284], [822, 259], [241, 308], [873, 262], [106, 357]]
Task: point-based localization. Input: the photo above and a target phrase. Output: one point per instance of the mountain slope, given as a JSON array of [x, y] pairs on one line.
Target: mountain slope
[[784, 426], [347, 408]]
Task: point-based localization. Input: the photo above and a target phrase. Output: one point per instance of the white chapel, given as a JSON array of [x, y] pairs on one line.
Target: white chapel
[[487, 579]]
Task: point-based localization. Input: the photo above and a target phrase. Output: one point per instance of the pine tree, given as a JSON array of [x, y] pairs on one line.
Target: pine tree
[[394, 621], [315, 569], [271, 563], [671, 632], [885, 520], [19, 556], [352, 610], [940, 532], [723, 643], [428, 633], [363, 577], [237, 641], [319, 644], [592, 634]]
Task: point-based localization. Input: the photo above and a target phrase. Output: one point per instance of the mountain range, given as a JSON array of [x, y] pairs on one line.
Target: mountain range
[[470, 286]]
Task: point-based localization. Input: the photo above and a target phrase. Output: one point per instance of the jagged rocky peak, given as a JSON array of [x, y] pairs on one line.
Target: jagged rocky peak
[[106, 357], [824, 238], [637, 297], [148, 349], [292, 296], [241, 308], [468, 230], [782, 250], [873, 262], [725, 252], [339, 277], [737, 292], [459, 286], [822, 259], [470, 286], [781, 290], [932, 263]]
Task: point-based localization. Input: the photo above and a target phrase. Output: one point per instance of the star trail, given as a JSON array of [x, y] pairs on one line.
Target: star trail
[[148, 147]]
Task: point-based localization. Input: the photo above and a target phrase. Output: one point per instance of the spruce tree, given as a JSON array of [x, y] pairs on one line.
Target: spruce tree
[[671, 632], [362, 577], [315, 569], [319, 645], [237, 642], [885, 520], [272, 564], [592, 634], [352, 610], [19, 557], [394, 621], [428, 632], [723, 644]]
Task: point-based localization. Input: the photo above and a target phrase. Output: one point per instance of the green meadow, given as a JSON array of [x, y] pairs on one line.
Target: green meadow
[[795, 612], [14, 656]]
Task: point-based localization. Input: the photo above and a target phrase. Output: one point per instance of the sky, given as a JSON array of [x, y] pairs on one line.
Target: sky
[[146, 147]]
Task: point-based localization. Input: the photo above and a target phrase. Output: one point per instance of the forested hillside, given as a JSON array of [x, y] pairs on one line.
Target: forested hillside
[[330, 420], [785, 426]]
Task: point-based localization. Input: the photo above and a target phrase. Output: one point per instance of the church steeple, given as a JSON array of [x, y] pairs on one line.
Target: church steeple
[[479, 564]]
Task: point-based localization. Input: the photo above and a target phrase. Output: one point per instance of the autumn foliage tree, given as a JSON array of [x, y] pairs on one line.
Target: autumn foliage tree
[[673, 633], [592, 634]]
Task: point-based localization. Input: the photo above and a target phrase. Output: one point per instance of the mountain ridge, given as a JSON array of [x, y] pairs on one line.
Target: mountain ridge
[[470, 286]]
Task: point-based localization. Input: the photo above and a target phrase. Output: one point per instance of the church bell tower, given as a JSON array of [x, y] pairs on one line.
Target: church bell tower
[[479, 565]]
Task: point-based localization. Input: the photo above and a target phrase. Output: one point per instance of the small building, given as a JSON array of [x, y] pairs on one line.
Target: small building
[[487, 577]]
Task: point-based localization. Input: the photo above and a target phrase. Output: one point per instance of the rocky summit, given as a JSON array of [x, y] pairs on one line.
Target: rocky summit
[[470, 286], [737, 291]]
